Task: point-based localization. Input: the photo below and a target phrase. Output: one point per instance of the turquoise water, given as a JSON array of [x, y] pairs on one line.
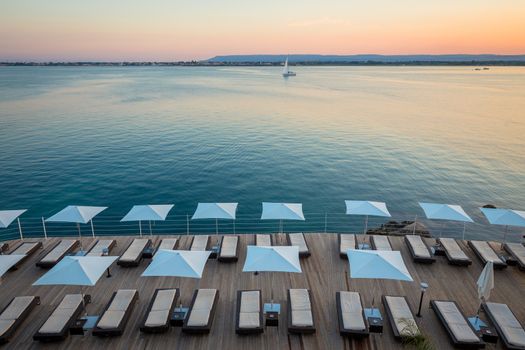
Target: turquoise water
[[122, 136]]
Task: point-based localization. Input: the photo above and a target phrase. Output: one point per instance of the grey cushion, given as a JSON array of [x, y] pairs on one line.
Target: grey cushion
[[98, 249], [403, 319], [418, 246], [200, 243], [249, 320], [301, 308], [297, 239], [347, 242], [24, 248], [201, 310], [160, 310], [263, 240], [168, 243], [5, 325], [453, 249], [135, 249], [510, 326], [117, 309], [486, 251], [352, 311], [17, 306], [381, 242], [229, 246], [249, 316], [58, 251], [62, 314], [456, 322]]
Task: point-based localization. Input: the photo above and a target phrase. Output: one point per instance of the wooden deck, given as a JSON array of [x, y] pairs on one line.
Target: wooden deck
[[324, 272]]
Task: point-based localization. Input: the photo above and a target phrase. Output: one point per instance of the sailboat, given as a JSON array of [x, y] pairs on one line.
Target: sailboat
[[286, 72]]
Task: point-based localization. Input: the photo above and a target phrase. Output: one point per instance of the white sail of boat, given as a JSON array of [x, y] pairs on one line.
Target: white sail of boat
[[286, 71]]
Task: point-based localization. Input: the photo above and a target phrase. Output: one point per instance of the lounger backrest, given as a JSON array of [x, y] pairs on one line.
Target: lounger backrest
[[229, 246], [263, 240], [456, 322], [168, 243], [116, 311], [298, 240], [98, 249], [418, 246], [58, 252], [200, 243], [24, 248], [301, 308], [517, 250], [135, 249], [160, 310], [507, 322], [62, 315], [453, 249], [381, 242], [13, 312], [486, 251], [249, 316], [402, 316], [352, 311], [347, 241], [201, 310]]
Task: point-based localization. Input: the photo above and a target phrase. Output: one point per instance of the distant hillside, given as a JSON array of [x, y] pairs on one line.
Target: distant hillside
[[368, 58]]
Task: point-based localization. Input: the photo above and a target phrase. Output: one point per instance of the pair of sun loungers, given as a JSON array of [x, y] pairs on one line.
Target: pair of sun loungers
[[228, 247], [14, 313]]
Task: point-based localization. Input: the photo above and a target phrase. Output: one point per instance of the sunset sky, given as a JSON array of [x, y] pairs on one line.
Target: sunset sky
[[165, 30]]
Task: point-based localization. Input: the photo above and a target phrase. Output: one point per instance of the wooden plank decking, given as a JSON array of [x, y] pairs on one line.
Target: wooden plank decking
[[324, 272]]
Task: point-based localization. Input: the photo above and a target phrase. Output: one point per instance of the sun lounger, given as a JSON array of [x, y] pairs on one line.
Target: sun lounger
[[454, 253], [101, 246], [485, 253], [133, 254], [400, 316], [168, 244], [456, 324], [299, 240], [517, 251], [116, 314], [419, 250], [27, 249], [200, 243], [346, 242], [57, 325], [380, 242], [507, 325], [202, 311], [160, 309], [229, 249], [300, 311], [249, 318], [14, 314], [352, 321], [263, 240], [60, 250]]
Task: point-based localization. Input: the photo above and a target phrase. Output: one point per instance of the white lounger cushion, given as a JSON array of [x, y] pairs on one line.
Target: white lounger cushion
[[352, 311], [62, 314], [200, 312], [456, 322], [486, 251], [518, 251], [403, 319], [199, 243], [117, 309], [381, 242], [453, 249], [168, 243], [229, 246], [301, 308], [59, 250], [160, 310], [135, 249], [347, 241], [298, 240], [98, 249], [418, 246], [510, 326], [24, 248], [13, 312], [263, 240], [249, 316]]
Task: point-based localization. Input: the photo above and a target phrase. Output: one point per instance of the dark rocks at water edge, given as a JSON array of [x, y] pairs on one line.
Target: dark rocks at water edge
[[394, 228]]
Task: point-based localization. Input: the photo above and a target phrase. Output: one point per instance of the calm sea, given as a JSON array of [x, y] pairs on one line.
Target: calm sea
[[124, 136]]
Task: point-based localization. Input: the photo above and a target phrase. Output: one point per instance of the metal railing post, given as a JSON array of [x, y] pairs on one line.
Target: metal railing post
[[44, 226]]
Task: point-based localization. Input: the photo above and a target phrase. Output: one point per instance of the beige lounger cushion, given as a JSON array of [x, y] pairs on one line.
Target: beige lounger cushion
[[168, 243], [486, 251], [403, 319], [298, 240], [508, 323], [62, 314], [134, 250], [13, 312], [200, 312], [301, 308], [116, 311], [24, 248], [456, 322], [160, 310], [98, 249], [453, 249], [381, 242], [263, 240], [5, 325], [352, 311], [418, 246], [58, 251], [518, 251], [199, 243], [249, 316], [347, 242], [229, 246]]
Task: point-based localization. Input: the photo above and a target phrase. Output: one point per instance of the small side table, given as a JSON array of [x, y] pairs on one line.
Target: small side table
[[375, 320], [271, 314], [214, 252], [148, 253], [438, 250], [78, 327], [483, 330], [178, 316]]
